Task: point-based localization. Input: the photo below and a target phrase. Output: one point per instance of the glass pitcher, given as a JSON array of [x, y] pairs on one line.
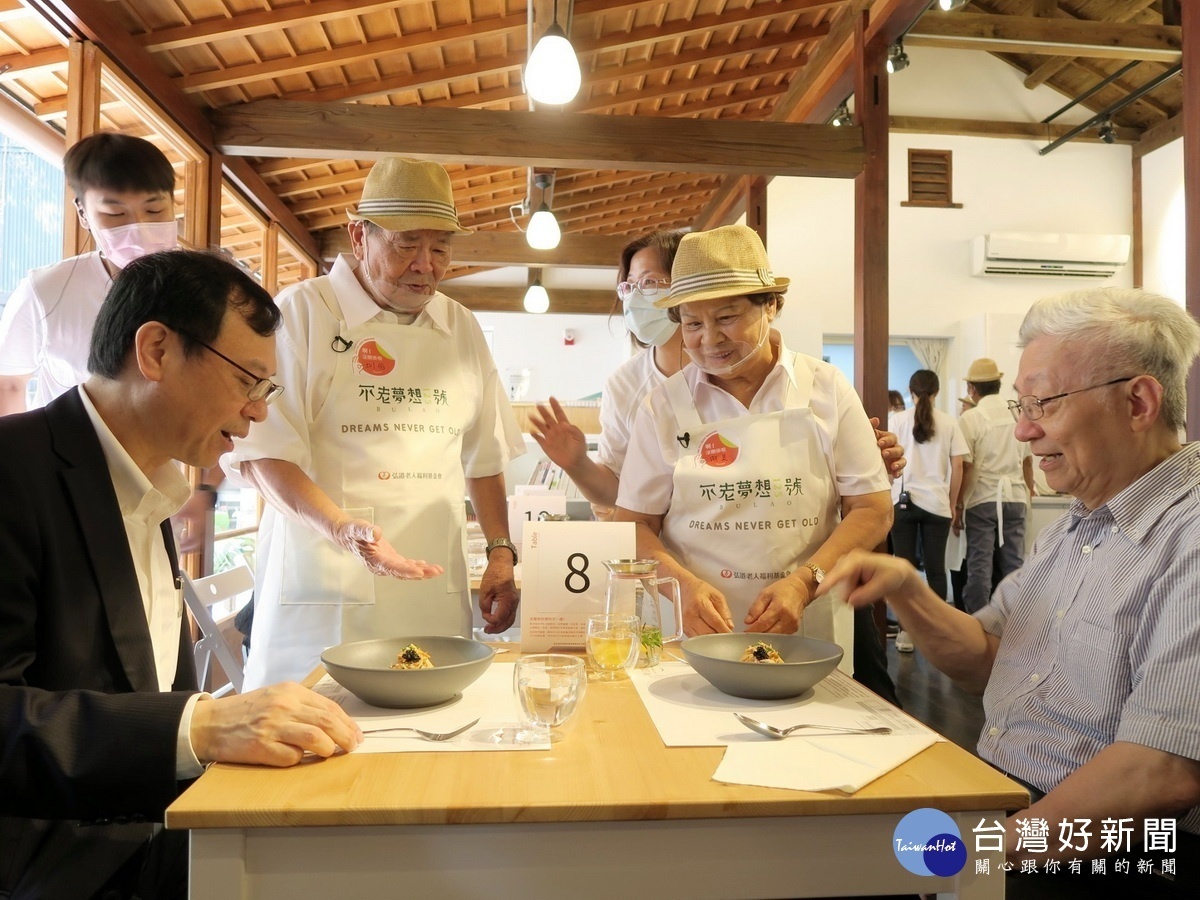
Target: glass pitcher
[[633, 589]]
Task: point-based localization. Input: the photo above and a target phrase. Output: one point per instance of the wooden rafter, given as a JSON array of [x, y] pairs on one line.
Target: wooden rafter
[[1051, 67]]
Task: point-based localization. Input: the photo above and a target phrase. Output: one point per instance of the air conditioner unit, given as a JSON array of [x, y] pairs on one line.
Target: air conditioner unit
[[1059, 255]]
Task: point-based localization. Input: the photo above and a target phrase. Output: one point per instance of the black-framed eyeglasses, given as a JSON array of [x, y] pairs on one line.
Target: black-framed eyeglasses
[[263, 389], [1032, 407], [647, 286]]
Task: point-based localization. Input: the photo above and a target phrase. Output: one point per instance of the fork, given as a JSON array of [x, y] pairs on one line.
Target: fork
[[428, 735]]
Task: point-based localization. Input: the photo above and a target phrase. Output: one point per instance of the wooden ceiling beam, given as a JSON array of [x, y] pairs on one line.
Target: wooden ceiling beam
[[1056, 64], [509, 248], [1159, 136], [208, 31], [1047, 37], [1026, 131], [511, 298], [559, 140], [592, 77], [18, 65]]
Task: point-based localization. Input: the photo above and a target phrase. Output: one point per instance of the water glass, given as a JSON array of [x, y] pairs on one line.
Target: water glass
[[613, 642], [549, 687]]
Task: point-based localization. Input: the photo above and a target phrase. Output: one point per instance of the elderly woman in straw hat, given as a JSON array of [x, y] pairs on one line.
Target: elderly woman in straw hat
[[754, 469], [393, 412]]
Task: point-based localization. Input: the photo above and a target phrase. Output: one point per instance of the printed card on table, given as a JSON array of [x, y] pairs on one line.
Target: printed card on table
[[563, 578], [526, 508]]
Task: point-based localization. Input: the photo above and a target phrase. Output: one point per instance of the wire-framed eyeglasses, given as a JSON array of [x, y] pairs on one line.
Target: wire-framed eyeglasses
[[263, 389], [1032, 407], [647, 286]]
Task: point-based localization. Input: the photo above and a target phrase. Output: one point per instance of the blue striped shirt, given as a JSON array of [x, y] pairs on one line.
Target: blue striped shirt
[[1100, 633]]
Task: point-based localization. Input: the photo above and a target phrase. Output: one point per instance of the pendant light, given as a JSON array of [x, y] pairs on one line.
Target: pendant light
[[553, 75], [537, 300], [543, 232]]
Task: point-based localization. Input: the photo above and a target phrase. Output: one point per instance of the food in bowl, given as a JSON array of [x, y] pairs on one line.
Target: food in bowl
[[412, 657], [364, 668], [761, 652], [803, 662]]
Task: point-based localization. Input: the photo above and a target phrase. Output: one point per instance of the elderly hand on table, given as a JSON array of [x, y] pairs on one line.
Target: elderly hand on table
[[272, 726], [366, 541]]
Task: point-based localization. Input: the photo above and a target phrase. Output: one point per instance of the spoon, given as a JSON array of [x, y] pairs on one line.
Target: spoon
[[778, 733]]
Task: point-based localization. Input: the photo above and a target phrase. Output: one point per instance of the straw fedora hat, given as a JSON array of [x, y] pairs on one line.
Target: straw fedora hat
[[408, 195], [726, 262], [983, 370]]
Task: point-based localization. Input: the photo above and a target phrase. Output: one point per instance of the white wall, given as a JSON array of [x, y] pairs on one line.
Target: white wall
[[1163, 250]]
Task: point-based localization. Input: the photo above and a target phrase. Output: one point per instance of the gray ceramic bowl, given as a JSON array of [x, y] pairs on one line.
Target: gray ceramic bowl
[[364, 669], [718, 658]]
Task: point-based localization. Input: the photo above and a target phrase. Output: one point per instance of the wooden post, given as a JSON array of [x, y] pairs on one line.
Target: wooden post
[[270, 258], [871, 224], [1191, 191], [1137, 252], [756, 206], [83, 118]]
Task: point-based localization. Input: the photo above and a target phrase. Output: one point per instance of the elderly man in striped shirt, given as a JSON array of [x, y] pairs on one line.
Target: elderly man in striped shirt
[[1088, 657]]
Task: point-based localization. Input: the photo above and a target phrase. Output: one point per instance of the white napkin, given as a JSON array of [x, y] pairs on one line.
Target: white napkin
[[835, 763]]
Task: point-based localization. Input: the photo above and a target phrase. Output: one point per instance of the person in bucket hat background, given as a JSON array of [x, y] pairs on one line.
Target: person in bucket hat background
[[753, 470], [393, 412], [997, 486]]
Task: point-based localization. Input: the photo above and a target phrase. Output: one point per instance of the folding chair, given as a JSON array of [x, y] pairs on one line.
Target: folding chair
[[199, 596]]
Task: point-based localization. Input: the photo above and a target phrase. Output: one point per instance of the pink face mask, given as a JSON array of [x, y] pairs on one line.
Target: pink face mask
[[123, 245]]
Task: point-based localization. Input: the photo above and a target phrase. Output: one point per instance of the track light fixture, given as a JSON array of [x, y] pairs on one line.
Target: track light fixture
[[543, 232], [536, 298], [947, 5], [553, 75], [841, 116], [897, 60], [1107, 132]]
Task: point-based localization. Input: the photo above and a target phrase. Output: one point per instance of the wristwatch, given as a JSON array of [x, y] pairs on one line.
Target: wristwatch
[[501, 542], [818, 572]]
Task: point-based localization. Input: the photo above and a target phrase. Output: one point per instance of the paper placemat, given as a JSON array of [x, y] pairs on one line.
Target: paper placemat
[[490, 699], [690, 712]]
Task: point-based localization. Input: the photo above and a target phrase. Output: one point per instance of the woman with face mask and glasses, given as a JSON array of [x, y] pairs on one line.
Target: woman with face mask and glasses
[[751, 471], [644, 276]]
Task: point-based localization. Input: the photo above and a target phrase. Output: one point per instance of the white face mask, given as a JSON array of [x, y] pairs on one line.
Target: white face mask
[[124, 244], [648, 324], [743, 352]]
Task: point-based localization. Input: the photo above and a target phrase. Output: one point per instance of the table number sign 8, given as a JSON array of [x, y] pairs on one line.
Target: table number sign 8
[[560, 587]]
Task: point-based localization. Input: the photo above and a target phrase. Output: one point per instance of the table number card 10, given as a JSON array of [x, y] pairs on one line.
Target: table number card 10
[[563, 579], [524, 508]]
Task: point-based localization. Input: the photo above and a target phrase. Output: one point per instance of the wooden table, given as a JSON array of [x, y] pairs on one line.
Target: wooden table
[[607, 812]]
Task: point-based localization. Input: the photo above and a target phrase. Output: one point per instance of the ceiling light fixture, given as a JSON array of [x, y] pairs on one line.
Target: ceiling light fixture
[[1107, 133], [841, 116], [536, 298], [543, 232], [897, 60], [553, 75], [947, 5]]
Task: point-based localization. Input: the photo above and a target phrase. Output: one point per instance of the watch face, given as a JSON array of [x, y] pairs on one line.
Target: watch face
[[818, 573]]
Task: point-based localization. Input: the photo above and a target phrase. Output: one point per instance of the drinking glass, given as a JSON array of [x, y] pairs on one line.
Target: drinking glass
[[613, 641], [549, 687]]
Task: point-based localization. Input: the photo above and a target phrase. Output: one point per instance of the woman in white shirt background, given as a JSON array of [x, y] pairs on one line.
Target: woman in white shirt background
[[925, 496]]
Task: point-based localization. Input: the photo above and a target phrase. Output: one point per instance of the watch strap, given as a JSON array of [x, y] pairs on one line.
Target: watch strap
[[501, 542]]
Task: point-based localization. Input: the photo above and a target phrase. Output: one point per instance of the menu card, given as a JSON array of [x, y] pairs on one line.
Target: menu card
[[563, 579]]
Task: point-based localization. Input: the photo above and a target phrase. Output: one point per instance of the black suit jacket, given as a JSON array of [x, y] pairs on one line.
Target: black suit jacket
[[85, 733]]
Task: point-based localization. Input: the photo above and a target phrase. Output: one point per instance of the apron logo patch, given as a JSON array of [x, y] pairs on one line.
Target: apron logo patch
[[717, 451], [372, 359]]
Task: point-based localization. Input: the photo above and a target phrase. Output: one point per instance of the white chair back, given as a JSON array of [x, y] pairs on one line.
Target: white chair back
[[201, 594]]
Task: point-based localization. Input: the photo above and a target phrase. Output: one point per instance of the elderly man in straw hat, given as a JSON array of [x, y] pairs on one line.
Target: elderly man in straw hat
[[997, 485], [1088, 656], [394, 411], [754, 469]]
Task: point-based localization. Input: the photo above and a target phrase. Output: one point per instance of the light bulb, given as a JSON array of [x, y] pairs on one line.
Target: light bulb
[[536, 298], [553, 75], [543, 232]]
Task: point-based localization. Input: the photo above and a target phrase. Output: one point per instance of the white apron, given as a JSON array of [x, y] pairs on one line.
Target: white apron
[[753, 498], [386, 447], [1001, 419]]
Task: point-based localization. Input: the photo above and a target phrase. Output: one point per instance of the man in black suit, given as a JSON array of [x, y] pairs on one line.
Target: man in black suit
[[100, 721]]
